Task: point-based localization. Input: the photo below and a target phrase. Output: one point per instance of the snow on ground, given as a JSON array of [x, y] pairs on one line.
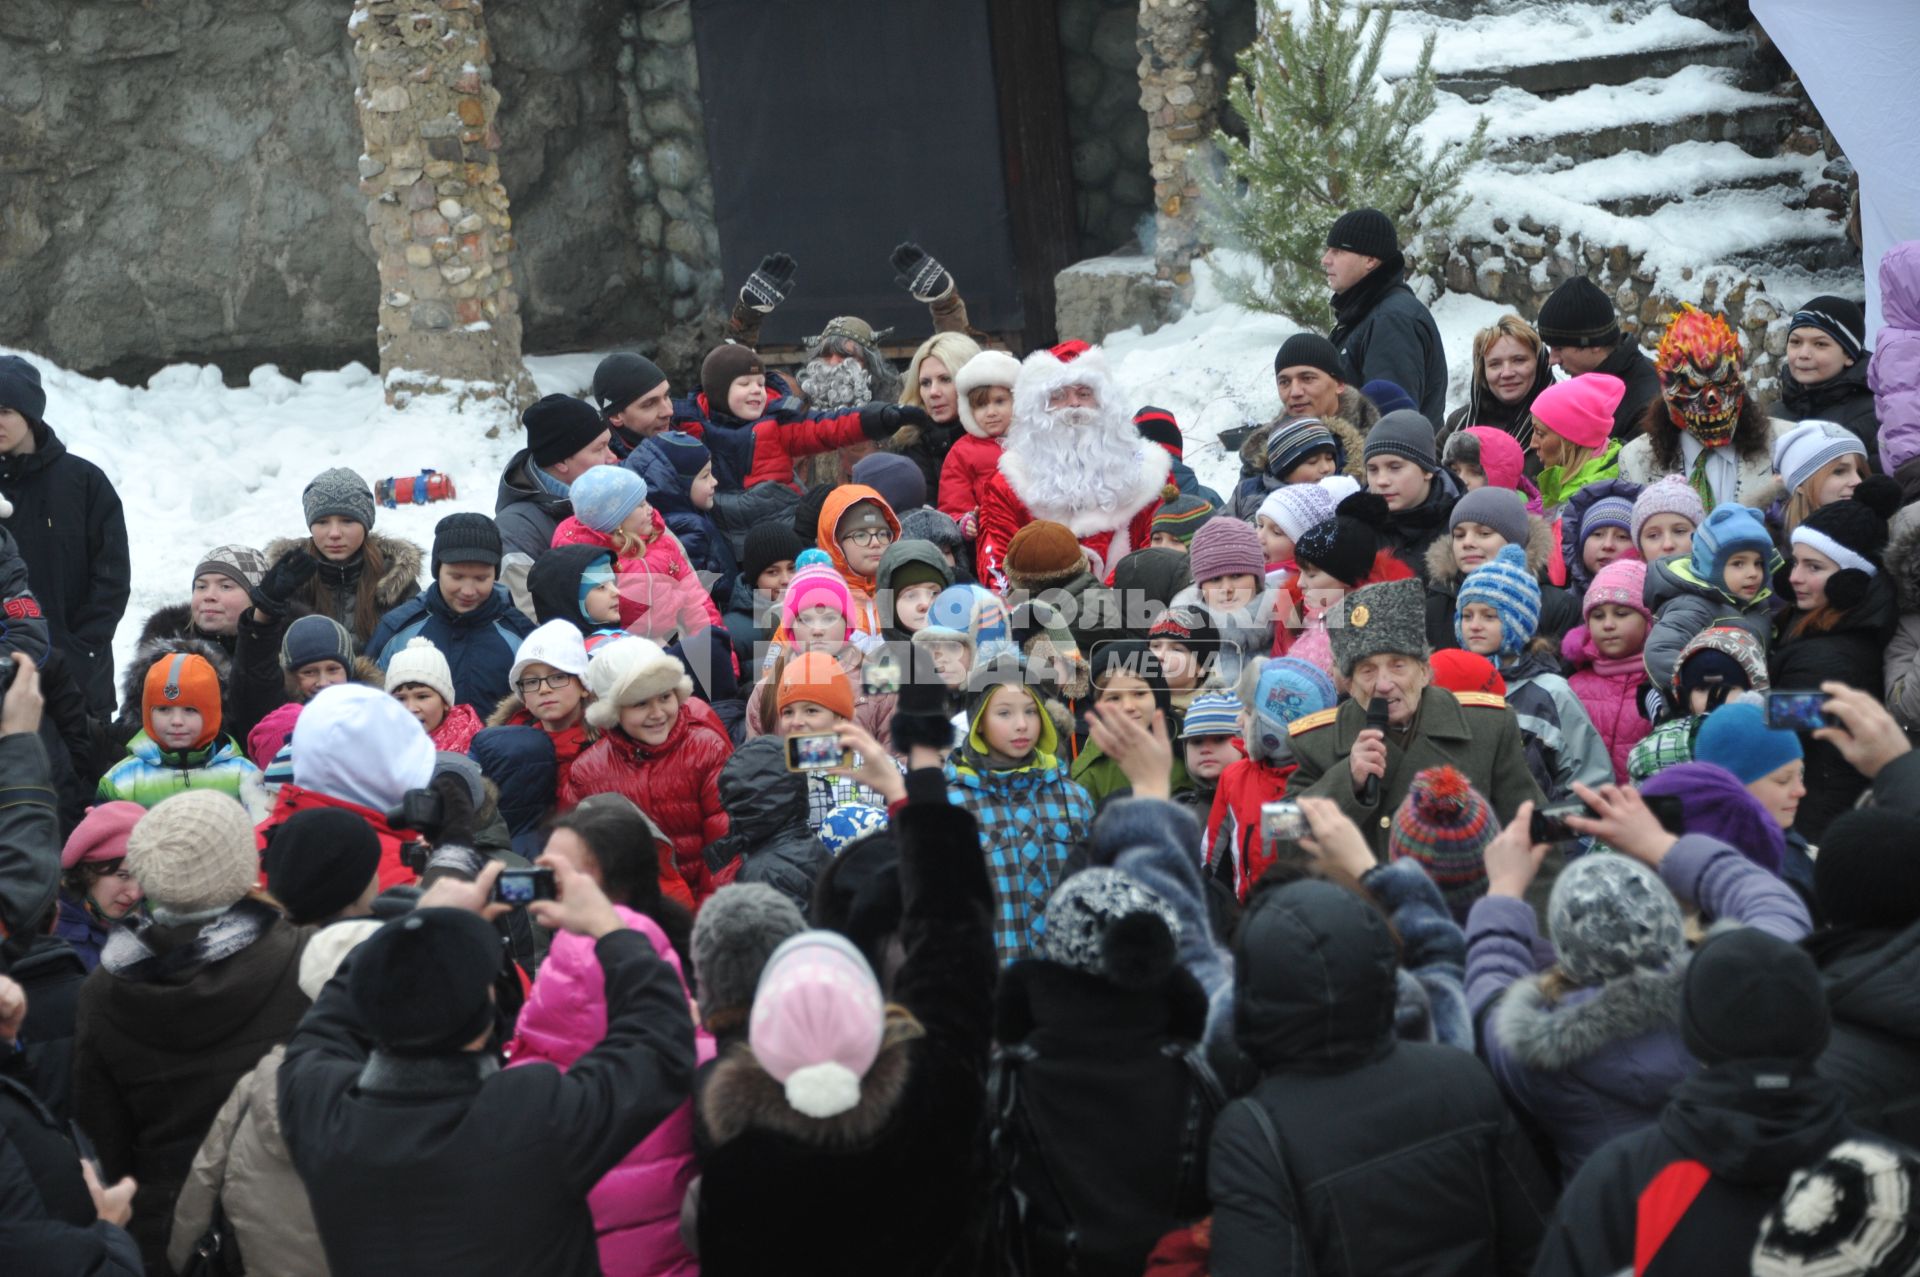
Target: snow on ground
[[1489, 41], [200, 464]]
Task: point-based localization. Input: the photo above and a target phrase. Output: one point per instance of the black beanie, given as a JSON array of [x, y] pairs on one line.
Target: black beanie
[[806, 515], [20, 388], [1578, 314], [1311, 350], [422, 983], [467, 537], [766, 545], [559, 426], [1345, 545], [623, 377], [1366, 231], [1749, 995], [1857, 524], [1838, 318], [1865, 875], [319, 862], [722, 367], [1157, 425]]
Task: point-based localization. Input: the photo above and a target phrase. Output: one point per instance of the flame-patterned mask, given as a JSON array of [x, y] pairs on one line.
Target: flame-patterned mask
[[1699, 366]]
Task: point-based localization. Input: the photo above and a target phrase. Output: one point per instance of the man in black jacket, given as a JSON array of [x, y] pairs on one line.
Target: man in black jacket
[[1686, 1195], [67, 519], [1379, 326], [1582, 332], [422, 1154]]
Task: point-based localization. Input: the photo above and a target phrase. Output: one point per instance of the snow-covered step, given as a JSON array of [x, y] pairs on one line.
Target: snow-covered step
[[1634, 183], [1550, 49], [1696, 104]]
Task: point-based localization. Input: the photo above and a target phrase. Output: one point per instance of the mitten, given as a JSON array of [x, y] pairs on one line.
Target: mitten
[[283, 580], [768, 286], [920, 274], [879, 421]]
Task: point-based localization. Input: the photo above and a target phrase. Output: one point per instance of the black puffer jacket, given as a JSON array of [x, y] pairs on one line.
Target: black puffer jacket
[[767, 832], [1383, 331], [1845, 399], [1409, 534], [73, 536], [1630, 364], [1391, 1157], [1852, 652], [47, 1219], [1873, 992]]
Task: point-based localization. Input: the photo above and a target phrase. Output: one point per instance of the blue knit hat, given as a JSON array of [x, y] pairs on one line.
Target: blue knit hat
[[1503, 584], [1728, 531], [686, 454], [604, 496], [847, 823], [1737, 738], [1288, 689], [1608, 512], [1212, 714]]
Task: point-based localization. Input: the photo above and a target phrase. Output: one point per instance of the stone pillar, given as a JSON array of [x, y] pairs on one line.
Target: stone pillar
[[437, 213], [1180, 93]]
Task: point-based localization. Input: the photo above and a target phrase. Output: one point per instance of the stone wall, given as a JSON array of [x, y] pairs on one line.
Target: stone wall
[[1105, 124], [178, 180]]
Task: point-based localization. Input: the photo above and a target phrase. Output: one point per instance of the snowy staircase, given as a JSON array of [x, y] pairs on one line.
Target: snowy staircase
[[1635, 144]]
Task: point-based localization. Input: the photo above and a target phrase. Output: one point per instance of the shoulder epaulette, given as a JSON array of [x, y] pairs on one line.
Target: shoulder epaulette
[[1319, 718], [1487, 700]]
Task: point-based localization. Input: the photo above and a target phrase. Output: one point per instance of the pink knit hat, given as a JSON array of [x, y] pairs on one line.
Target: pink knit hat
[[818, 1021], [1581, 410], [1621, 581], [813, 586], [1225, 546], [1501, 458], [272, 732], [101, 834]]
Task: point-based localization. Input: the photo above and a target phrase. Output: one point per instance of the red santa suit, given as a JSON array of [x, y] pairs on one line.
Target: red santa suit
[[1086, 468]]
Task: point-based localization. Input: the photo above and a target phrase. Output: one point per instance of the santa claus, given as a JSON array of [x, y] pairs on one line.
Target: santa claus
[[1073, 457]]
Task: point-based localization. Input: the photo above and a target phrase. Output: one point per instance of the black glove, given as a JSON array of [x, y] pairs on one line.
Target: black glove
[[284, 580], [920, 275], [1653, 702], [878, 421], [769, 286], [459, 824], [921, 714]]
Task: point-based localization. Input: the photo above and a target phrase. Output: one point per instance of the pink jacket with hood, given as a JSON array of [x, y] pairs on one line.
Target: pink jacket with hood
[[636, 1207]]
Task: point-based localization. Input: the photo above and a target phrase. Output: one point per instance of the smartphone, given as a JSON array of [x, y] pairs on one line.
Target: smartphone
[[1796, 711], [520, 887], [1282, 822], [1549, 822], [817, 752]]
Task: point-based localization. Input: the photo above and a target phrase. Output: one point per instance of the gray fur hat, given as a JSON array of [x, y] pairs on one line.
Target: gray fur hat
[[738, 929], [1100, 921], [929, 524], [1389, 616], [1609, 916], [339, 491]]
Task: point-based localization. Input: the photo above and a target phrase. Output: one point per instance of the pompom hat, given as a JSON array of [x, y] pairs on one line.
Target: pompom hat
[[1444, 825], [604, 496], [1088, 920], [815, 586], [423, 663], [818, 1022], [1296, 507], [1504, 584], [1623, 581]]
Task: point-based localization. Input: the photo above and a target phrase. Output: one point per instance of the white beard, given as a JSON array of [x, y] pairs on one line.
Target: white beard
[[1070, 462]]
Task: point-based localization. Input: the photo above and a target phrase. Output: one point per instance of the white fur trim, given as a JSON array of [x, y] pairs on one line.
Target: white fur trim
[[1804, 535], [627, 671], [823, 1090], [1154, 465], [988, 368], [1044, 372]]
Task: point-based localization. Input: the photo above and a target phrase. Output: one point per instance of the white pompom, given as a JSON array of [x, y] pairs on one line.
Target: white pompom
[[823, 1090], [6, 508]]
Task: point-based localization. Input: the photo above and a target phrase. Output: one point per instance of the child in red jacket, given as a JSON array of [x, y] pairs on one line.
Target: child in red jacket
[[419, 677], [610, 511], [662, 749], [985, 386], [1274, 695]]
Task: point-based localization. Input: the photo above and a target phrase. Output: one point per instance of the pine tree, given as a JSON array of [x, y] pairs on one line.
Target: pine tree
[[1322, 139]]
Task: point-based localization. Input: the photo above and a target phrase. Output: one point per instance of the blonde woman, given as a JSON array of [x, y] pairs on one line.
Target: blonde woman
[[1818, 463], [930, 386], [1510, 368]]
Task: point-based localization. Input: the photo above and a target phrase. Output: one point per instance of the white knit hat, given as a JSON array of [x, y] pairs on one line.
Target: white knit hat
[[557, 643], [421, 662], [627, 671], [988, 368], [1295, 507], [1799, 452], [193, 854]]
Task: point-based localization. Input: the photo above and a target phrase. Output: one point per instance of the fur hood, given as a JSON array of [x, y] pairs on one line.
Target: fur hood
[[1350, 427], [1551, 1037], [742, 1097], [398, 583], [1444, 576], [364, 671], [1902, 559], [151, 651]]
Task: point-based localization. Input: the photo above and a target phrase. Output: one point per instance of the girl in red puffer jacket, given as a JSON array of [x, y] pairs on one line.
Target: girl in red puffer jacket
[[662, 749]]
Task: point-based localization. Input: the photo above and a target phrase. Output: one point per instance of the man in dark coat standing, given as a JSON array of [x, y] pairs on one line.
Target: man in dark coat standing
[[422, 1154], [1582, 332], [66, 517], [1687, 1194], [1379, 326]]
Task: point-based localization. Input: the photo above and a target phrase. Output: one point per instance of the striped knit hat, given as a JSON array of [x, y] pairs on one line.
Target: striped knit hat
[[1503, 584], [1297, 438], [1211, 714], [1182, 516], [1607, 512], [1445, 825]]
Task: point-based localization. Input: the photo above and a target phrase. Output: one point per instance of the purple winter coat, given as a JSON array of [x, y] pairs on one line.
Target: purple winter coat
[[636, 1205], [1600, 1061], [1894, 372]]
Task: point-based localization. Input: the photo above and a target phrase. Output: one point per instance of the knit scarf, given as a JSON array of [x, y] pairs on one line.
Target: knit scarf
[[553, 487], [129, 951], [1578, 649]]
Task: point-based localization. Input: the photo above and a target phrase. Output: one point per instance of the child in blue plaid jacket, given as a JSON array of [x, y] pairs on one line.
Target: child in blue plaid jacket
[[1031, 813]]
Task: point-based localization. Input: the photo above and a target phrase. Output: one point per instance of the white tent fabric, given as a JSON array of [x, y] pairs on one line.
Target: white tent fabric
[[1857, 59]]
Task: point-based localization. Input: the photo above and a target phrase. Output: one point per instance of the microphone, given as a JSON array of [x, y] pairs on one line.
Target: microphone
[[1376, 718]]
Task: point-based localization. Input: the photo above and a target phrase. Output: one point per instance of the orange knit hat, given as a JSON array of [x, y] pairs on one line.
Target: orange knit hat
[[182, 678], [817, 679]]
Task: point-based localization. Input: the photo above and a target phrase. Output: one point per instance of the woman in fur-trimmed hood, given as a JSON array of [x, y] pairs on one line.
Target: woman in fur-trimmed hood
[[353, 574], [1588, 1042]]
